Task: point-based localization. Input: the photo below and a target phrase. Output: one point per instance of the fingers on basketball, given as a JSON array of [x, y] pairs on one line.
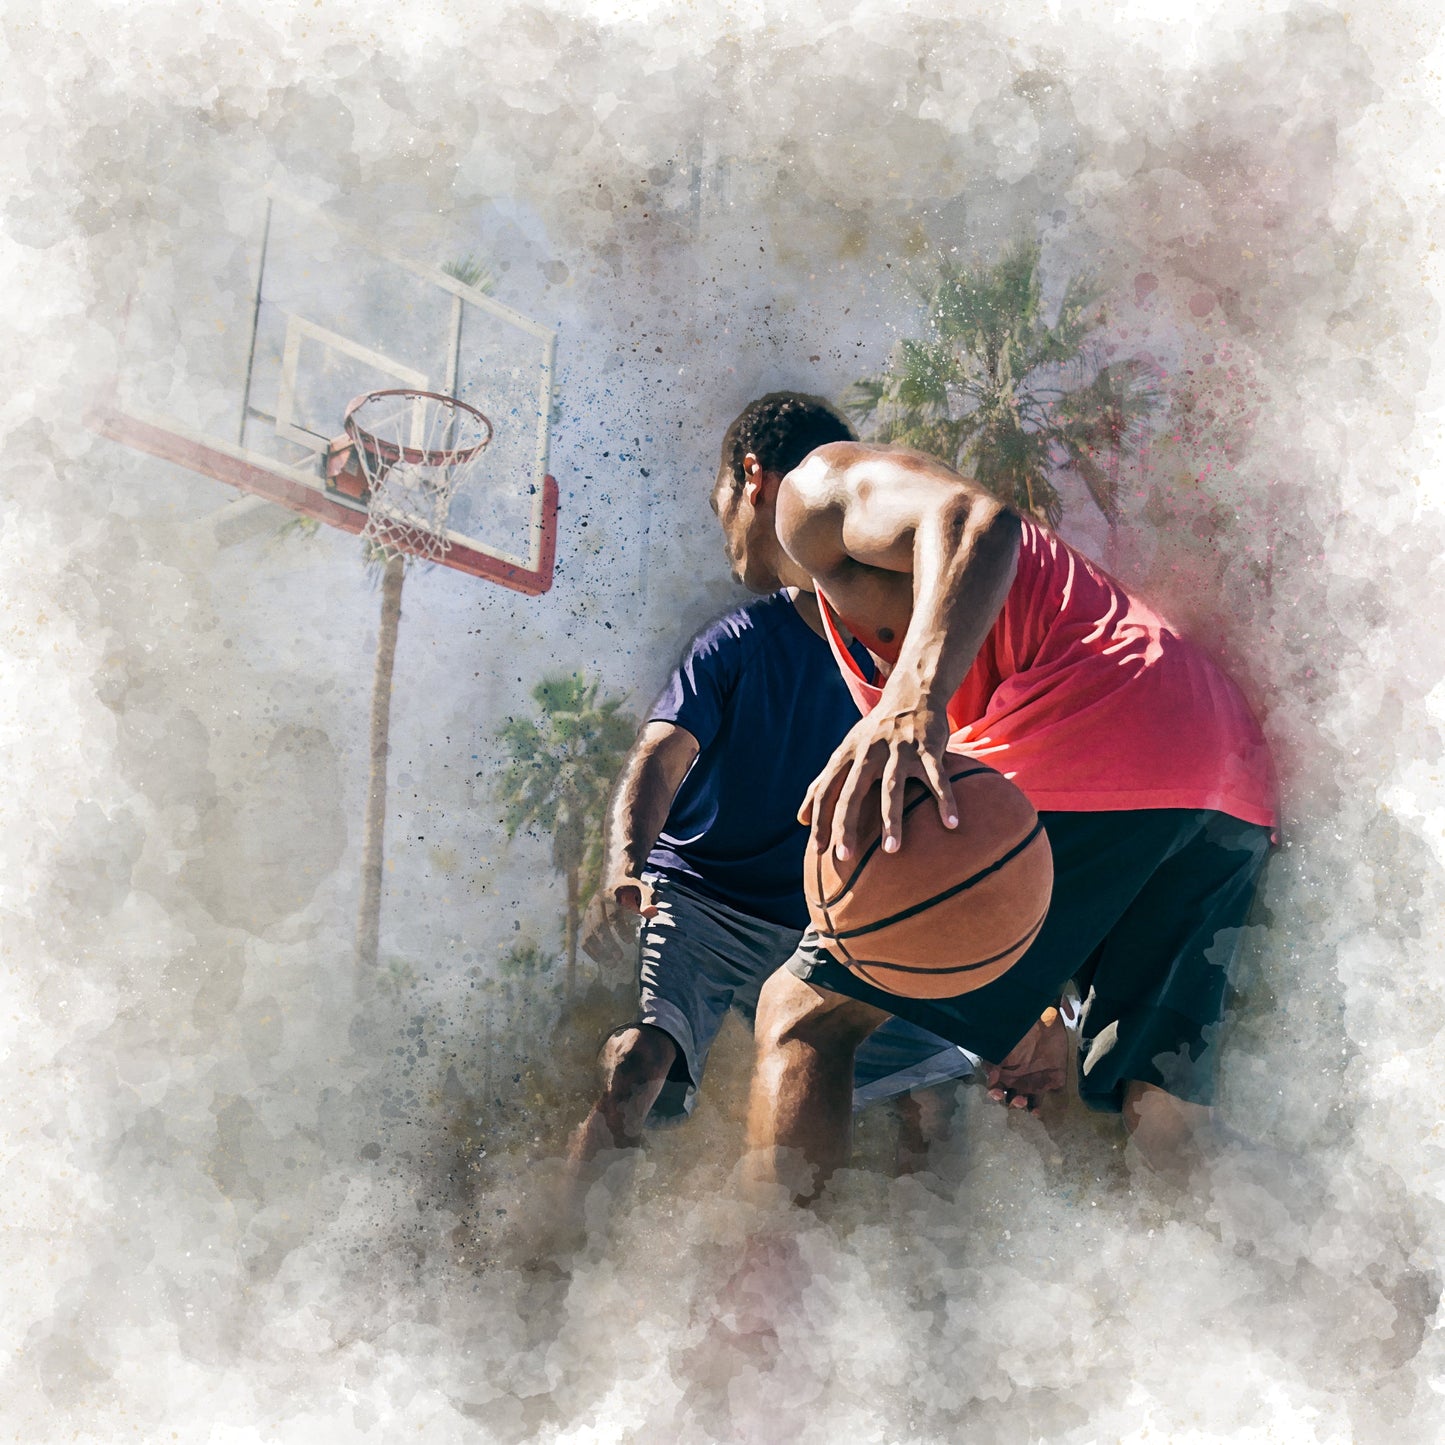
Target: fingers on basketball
[[895, 785], [850, 802], [897, 772], [941, 788], [825, 794], [805, 813], [954, 910], [1011, 1099]]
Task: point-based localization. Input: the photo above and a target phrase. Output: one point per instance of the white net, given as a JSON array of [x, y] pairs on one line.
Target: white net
[[417, 450]]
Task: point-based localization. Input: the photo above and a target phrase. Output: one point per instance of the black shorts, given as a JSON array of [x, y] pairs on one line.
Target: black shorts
[[1146, 918]]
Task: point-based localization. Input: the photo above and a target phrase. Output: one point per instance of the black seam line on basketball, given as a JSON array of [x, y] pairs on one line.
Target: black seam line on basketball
[[877, 843], [827, 916], [1023, 942], [947, 893]]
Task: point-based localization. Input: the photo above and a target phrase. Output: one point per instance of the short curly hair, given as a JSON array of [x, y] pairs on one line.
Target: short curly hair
[[780, 429]]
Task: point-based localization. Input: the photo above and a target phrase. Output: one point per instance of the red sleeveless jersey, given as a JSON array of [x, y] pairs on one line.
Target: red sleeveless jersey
[[1091, 702]]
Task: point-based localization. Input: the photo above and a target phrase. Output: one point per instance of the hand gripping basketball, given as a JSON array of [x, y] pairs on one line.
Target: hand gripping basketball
[[956, 908], [890, 746]]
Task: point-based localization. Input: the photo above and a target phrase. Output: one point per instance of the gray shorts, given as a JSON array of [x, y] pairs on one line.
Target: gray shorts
[[698, 958]]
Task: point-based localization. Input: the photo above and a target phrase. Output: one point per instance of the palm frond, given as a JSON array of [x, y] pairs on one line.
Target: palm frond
[[1014, 464], [922, 372], [1111, 411], [560, 765], [998, 389], [982, 305], [862, 399], [1102, 486], [471, 272]]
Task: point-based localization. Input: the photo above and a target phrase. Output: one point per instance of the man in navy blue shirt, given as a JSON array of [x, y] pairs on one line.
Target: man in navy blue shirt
[[703, 845]]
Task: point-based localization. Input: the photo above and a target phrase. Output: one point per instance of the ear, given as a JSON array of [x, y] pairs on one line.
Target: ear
[[756, 480]]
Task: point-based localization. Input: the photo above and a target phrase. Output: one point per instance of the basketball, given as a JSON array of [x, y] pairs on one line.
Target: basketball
[[951, 910]]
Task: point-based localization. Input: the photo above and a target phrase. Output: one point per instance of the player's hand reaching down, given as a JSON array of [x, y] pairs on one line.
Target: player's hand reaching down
[[888, 747], [1037, 1066], [609, 927]]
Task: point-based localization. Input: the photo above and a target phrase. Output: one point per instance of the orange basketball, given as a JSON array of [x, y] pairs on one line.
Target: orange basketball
[[951, 910]]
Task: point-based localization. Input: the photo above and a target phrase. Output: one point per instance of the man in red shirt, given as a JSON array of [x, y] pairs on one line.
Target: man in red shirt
[[1151, 775]]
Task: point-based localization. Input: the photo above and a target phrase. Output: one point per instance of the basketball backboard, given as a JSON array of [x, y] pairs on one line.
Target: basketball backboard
[[246, 340]]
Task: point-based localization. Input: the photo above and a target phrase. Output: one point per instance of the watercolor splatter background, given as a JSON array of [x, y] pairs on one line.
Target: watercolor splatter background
[[241, 1191]]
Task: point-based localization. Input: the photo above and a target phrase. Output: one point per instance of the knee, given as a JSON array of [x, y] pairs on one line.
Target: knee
[[788, 1012], [634, 1057], [791, 1012]]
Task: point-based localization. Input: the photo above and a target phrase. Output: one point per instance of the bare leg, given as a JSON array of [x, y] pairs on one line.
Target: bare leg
[[634, 1064], [800, 1111], [1173, 1136], [925, 1121]]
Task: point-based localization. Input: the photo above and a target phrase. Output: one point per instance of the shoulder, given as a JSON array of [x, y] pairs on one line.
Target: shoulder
[[850, 494], [827, 473], [737, 633], [813, 501], [842, 472]]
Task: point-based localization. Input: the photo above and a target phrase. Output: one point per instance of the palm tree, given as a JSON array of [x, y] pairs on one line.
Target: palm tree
[[998, 391], [557, 778], [391, 567]]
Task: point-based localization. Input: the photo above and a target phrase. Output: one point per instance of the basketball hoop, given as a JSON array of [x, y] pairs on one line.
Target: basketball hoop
[[405, 453]]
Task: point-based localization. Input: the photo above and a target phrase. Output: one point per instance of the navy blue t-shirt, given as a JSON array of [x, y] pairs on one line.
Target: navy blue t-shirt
[[761, 693]]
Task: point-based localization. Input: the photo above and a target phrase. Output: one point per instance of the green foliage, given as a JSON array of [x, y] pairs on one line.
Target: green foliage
[[396, 976], [471, 272], [374, 558], [301, 526], [524, 961], [560, 769], [1004, 394]]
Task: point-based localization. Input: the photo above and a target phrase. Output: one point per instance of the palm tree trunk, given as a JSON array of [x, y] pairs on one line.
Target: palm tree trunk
[[488, 1051], [368, 925], [573, 919]]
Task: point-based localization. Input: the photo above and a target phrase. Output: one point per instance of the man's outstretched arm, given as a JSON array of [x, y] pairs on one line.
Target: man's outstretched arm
[[651, 775], [897, 540]]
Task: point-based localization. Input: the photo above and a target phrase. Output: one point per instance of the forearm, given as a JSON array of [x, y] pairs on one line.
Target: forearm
[[640, 802], [903, 544], [964, 557]]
